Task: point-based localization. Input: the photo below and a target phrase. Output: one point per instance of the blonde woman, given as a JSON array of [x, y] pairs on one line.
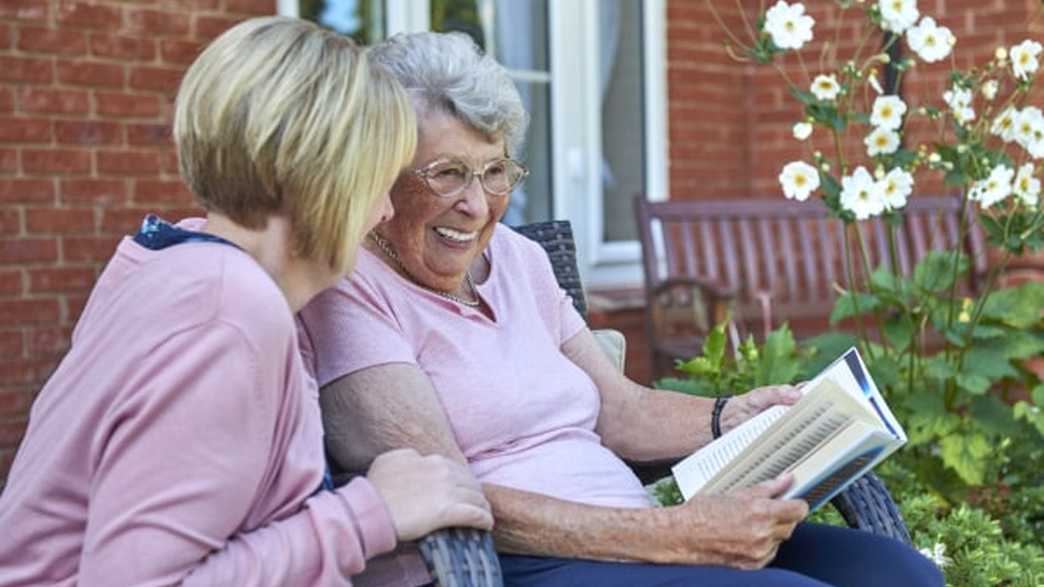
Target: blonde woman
[[180, 440]]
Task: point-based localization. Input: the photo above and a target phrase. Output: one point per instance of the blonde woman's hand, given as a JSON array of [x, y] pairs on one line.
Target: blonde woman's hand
[[741, 408], [425, 493]]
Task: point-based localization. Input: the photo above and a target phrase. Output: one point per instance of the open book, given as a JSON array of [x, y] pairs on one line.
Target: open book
[[840, 429]]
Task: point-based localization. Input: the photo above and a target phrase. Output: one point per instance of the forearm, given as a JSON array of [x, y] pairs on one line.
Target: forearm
[[533, 524], [655, 425]]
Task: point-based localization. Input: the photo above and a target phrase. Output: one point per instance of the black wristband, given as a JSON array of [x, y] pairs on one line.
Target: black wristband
[[719, 405]]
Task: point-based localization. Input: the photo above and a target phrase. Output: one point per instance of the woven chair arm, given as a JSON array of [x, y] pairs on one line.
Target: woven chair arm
[[461, 557], [867, 505]]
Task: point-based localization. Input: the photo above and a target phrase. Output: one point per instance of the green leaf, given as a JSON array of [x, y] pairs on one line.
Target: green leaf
[[1019, 307], [699, 387], [884, 370], [935, 272], [993, 415], [824, 348], [898, 331], [975, 384], [853, 304], [1032, 414], [1038, 395], [803, 96], [698, 367], [939, 368], [714, 346], [967, 455], [928, 418], [990, 362], [778, 363]]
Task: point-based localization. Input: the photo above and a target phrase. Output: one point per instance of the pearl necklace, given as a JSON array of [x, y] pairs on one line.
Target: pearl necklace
[[385, 248]]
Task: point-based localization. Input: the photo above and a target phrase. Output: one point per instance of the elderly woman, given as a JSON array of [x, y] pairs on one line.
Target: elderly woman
[[474, 352], [180, 440]]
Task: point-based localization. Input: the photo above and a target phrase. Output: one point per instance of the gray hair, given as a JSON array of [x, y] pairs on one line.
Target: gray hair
[[448, 72]]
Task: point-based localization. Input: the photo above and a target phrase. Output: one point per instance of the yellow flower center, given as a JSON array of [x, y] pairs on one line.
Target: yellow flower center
[[930, 40], [800, 180]]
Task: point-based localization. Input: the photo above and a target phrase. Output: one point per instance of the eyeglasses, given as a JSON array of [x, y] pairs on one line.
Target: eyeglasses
[[449, 177]]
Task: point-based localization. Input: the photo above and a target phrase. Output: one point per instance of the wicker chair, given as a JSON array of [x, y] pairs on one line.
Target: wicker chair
[[466, 558]]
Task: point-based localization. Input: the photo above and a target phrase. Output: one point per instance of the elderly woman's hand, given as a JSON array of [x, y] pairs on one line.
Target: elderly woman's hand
[[741, 530], [743, 407]]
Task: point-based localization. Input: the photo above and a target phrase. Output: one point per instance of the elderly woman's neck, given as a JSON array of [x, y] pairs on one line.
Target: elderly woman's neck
[[272, 247]]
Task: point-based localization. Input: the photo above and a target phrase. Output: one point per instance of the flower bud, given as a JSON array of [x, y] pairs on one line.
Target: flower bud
[[934, 158], [1001, 54], [879, 172], [962, 148], [825, 167], [989, 89]]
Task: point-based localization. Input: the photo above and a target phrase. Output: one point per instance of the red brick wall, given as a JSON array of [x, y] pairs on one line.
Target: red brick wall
[[86, 92]]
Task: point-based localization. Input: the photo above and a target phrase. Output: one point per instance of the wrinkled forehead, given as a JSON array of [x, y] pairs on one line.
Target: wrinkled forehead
[[441, 135]]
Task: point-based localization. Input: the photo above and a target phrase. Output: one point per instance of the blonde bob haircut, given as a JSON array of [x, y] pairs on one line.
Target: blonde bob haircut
[[280, 117]]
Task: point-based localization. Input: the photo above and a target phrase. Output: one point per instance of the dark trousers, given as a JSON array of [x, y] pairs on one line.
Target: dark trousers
[[815, 556]]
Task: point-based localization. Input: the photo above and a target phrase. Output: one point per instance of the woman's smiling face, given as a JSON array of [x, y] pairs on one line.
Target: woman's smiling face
[[437, 238]]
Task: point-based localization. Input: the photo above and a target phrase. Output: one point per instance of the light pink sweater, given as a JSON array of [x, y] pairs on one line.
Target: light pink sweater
[[522, 413], [180, 441]]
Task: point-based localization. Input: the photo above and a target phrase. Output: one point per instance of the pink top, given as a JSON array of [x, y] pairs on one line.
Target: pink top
[[522, 413], [180, 441]]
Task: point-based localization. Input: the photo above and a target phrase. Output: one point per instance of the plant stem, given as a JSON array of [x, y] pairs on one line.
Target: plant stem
[[867, 270], [721, 24], [746, 22], [991, 283], [853, 289]]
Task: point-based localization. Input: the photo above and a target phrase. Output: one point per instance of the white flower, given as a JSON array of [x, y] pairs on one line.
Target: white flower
[[930, 42], [894, 188], [1027, 187], [937, 555], [825, 87], [898, 15], [888, 112], [881, 141], [994, 188], [1024, 59], [989, 89], [799, 179], [859, 196], [802, 131], [959, 100], [1004, 125], [788, 25], [1029, 124]]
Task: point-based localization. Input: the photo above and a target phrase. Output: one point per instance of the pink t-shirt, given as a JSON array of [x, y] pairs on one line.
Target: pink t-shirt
[[180, 440]]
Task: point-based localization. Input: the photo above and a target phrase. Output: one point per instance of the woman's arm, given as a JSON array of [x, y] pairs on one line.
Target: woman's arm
[[644, 424], [394, 405]]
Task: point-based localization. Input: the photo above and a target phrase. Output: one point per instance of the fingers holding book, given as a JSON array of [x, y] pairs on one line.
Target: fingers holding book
[[743, 529], [743, 407]]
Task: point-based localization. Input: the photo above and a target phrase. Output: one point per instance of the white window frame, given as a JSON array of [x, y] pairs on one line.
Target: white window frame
[[576, 134]]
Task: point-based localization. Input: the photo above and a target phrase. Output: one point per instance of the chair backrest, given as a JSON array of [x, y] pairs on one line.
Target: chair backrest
[[794, 252], [556, 237]]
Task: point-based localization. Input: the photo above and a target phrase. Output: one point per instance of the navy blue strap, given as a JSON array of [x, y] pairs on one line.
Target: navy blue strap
[[157, 234]]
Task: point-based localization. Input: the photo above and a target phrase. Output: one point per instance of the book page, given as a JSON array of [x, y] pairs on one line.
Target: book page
[[692, 473], [819, 415]]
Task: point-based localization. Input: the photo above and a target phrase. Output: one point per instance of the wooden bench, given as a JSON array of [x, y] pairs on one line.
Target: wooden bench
[[768, 261]]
